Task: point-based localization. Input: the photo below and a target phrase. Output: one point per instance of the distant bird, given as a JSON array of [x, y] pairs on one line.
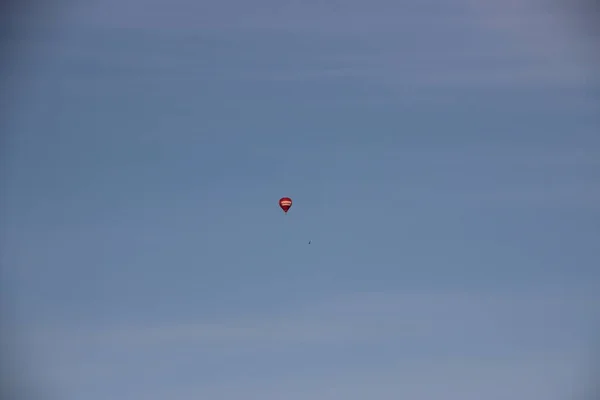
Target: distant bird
[[309, 242]]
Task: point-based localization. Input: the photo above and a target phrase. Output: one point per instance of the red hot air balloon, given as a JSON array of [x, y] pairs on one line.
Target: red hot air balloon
[[285, 203]]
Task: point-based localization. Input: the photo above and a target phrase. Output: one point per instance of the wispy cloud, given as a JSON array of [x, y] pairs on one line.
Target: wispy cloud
[[407, 316], [431, 44], [552, 377], [492, 335]]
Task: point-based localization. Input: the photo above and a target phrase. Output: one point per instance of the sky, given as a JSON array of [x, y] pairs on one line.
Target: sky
[[443, 159]]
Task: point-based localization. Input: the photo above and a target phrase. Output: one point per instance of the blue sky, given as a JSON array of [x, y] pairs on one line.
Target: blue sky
[[443, 158]]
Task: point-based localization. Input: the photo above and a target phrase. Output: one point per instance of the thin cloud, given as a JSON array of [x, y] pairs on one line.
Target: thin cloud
[[412, 315], [467, 342], [429, 45], [551, 377]]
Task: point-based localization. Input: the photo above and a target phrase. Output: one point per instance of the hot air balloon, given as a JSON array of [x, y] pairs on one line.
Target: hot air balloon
[[285, 203]]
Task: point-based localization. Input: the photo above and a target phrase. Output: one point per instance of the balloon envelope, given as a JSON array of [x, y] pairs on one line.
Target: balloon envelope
[[285, 203]]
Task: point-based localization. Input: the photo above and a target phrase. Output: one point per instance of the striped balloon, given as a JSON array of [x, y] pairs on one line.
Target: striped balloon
[[285, 203]]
